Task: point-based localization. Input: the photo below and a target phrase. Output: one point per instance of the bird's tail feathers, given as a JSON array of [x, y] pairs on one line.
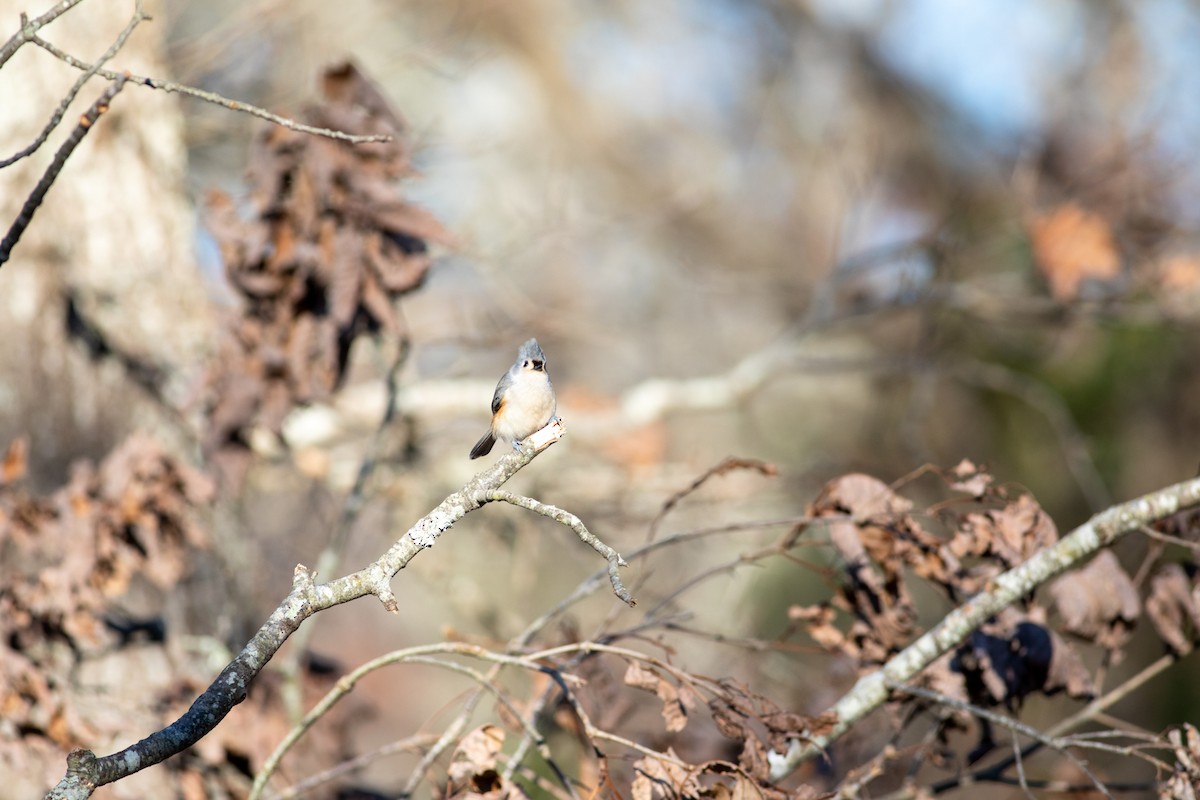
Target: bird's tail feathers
[[483, 446]]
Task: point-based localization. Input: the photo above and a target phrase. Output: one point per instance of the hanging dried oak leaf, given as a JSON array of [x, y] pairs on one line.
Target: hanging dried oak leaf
[[1173, 607], [326, 246]]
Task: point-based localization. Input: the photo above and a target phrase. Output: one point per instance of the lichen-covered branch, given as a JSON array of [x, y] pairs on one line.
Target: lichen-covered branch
[[86, 771], [871, 690]]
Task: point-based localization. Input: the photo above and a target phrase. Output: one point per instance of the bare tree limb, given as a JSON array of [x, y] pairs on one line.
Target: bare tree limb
[[871, 690], [38, 194], [85, 771]]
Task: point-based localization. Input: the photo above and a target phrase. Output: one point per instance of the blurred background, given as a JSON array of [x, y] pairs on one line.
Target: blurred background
[[923, 232], [833, 235]]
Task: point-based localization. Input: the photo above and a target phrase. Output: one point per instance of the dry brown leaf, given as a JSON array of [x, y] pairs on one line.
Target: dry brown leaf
[[969, 478], [674, 710], [1184, 783], [318, 262], [473, 766], [638, 676], [1011, 534], [1011, 657], [1171, 605], [753, 759], [818, 621], [861, 496], [16, 461], [65, 558], [1074, 247], [1098, 602], [1067, 671], [657, 777]]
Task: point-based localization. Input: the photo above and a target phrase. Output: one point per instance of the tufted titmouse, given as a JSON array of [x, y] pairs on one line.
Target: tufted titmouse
[[523, 402]]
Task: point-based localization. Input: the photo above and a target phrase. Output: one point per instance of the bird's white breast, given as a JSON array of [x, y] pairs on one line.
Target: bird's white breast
[[528, 405]]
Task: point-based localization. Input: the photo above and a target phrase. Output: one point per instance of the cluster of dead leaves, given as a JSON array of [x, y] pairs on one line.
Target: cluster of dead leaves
[[64, 557], [327, 245], [1184, 784], [1029, 648], [755, 723]]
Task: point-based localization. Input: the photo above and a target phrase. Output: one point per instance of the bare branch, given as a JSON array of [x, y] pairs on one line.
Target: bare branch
[[574, 523], [330, 559], [726, 465], [60, 159], [1083, 715], [211, 97], [139, 15], [29, 29], [86, 771]]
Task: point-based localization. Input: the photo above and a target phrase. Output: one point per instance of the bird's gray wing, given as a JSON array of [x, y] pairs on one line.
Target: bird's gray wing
[[501, 388]]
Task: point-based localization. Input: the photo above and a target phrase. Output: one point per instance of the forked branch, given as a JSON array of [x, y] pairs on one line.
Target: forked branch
[[86, 771]]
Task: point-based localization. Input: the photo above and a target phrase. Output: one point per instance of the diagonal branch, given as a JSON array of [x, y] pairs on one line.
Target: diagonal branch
[[86, 122], [871, 690], [86, 771], [210, 97]]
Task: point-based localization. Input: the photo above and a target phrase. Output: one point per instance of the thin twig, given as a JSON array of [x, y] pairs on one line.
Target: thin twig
[[449, 736], [319, 779], [30, 27], [726, 465], [1039, 396], [346, 684], [35, 198], [1009, 723], [530, 731], [1022, 780], [527, 773], [330, 558], [574, 523], [592, 733], [1167, 538], [214, 98], [1085, 714], [139, 15]]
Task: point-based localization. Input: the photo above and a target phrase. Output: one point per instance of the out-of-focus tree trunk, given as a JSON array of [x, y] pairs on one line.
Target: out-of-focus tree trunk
[[115, 233]]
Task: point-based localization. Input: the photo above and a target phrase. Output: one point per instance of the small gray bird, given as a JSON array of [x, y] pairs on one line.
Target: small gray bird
[[523, 402]]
